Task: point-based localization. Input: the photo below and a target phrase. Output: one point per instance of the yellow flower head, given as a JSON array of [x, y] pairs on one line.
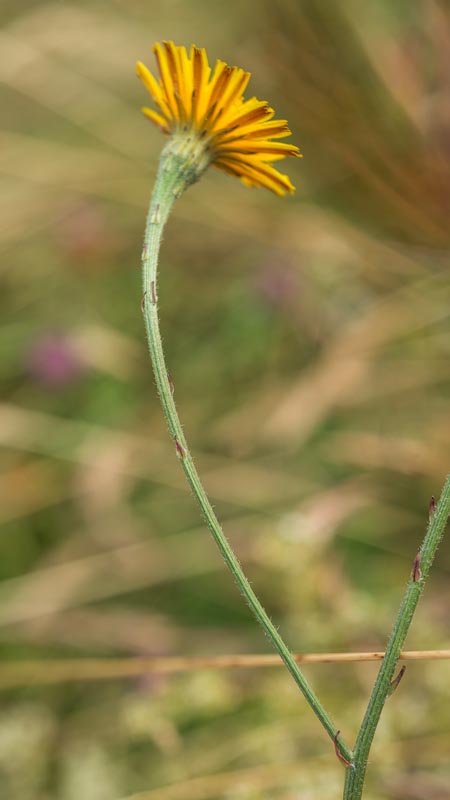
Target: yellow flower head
[[235, 134]]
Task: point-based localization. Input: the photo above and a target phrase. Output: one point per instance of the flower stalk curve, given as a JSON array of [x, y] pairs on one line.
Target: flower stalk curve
[[210, 122]]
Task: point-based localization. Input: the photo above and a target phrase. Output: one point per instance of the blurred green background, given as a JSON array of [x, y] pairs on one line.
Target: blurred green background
[[308, 341]]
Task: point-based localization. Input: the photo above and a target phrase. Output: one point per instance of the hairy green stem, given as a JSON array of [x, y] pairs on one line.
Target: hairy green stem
[[176, 172], [354, 782]]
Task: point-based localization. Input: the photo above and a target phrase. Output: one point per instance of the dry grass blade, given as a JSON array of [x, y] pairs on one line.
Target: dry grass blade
[[349, 359], [81, 101], [52, 589], [76, 169], [30, 673], [246, 485], [262, 777]]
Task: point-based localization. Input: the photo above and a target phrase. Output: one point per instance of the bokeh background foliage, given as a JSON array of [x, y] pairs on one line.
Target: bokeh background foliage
[[308, 340]]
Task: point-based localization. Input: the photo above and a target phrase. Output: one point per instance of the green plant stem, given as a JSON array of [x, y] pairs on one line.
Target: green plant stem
[[355, 777], [174, 175]]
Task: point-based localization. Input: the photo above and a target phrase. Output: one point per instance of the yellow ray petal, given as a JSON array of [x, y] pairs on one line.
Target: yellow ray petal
[[217, 83], [230, 94], [247, 180], [153, 87], [276, 129], [186, 82], [173, 62], [166, 79], [160, 121], [255, 146], [251, 111], [259, 173], [200, 76]]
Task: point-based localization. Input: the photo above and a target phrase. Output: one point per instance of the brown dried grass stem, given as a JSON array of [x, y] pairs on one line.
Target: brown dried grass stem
[[19, 673]]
